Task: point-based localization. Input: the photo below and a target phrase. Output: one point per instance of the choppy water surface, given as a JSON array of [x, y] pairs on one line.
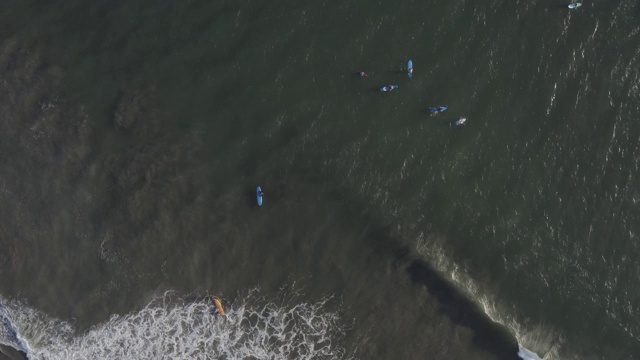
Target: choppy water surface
[[134, 135]]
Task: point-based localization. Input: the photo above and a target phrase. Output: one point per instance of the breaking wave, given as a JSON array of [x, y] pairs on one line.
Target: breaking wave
[[175, 327], [536, 341]]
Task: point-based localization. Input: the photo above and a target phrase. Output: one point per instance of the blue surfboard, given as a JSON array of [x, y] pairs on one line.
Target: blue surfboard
[[437, 110], [410, 69], [259, 196], [389, 88]]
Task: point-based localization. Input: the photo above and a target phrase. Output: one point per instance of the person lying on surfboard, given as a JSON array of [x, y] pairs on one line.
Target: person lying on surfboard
[[363, 74], [389, 88]]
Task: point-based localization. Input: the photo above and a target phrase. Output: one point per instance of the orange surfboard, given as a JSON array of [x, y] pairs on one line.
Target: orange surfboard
[[218, 304]]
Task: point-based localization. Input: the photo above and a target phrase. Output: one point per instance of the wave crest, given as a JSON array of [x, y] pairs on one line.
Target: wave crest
[[175, 327]]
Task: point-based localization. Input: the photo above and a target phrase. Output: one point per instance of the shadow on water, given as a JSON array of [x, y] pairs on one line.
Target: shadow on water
[[489, 336]]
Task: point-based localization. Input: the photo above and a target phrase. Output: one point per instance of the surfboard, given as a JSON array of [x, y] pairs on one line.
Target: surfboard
[[410, 69], [437, 110], [259, 195], [218, 304], [574, 6], [388, 88]]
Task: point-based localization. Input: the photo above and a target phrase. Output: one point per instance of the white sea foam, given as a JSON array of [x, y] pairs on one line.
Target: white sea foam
[[171, 327], [527, 355], [8, 334]]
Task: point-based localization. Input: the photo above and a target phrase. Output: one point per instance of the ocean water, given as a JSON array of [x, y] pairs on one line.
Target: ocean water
[[133, 135]]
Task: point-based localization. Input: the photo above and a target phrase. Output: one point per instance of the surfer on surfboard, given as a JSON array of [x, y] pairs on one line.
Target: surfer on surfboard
[[460, 121], [389, 88], [217, 303], [259, 195]]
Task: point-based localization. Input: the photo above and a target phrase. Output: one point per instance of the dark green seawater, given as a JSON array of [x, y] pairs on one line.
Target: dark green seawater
[[133, 136]]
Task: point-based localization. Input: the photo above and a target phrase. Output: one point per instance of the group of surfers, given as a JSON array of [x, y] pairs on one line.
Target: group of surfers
[[432, 111]]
